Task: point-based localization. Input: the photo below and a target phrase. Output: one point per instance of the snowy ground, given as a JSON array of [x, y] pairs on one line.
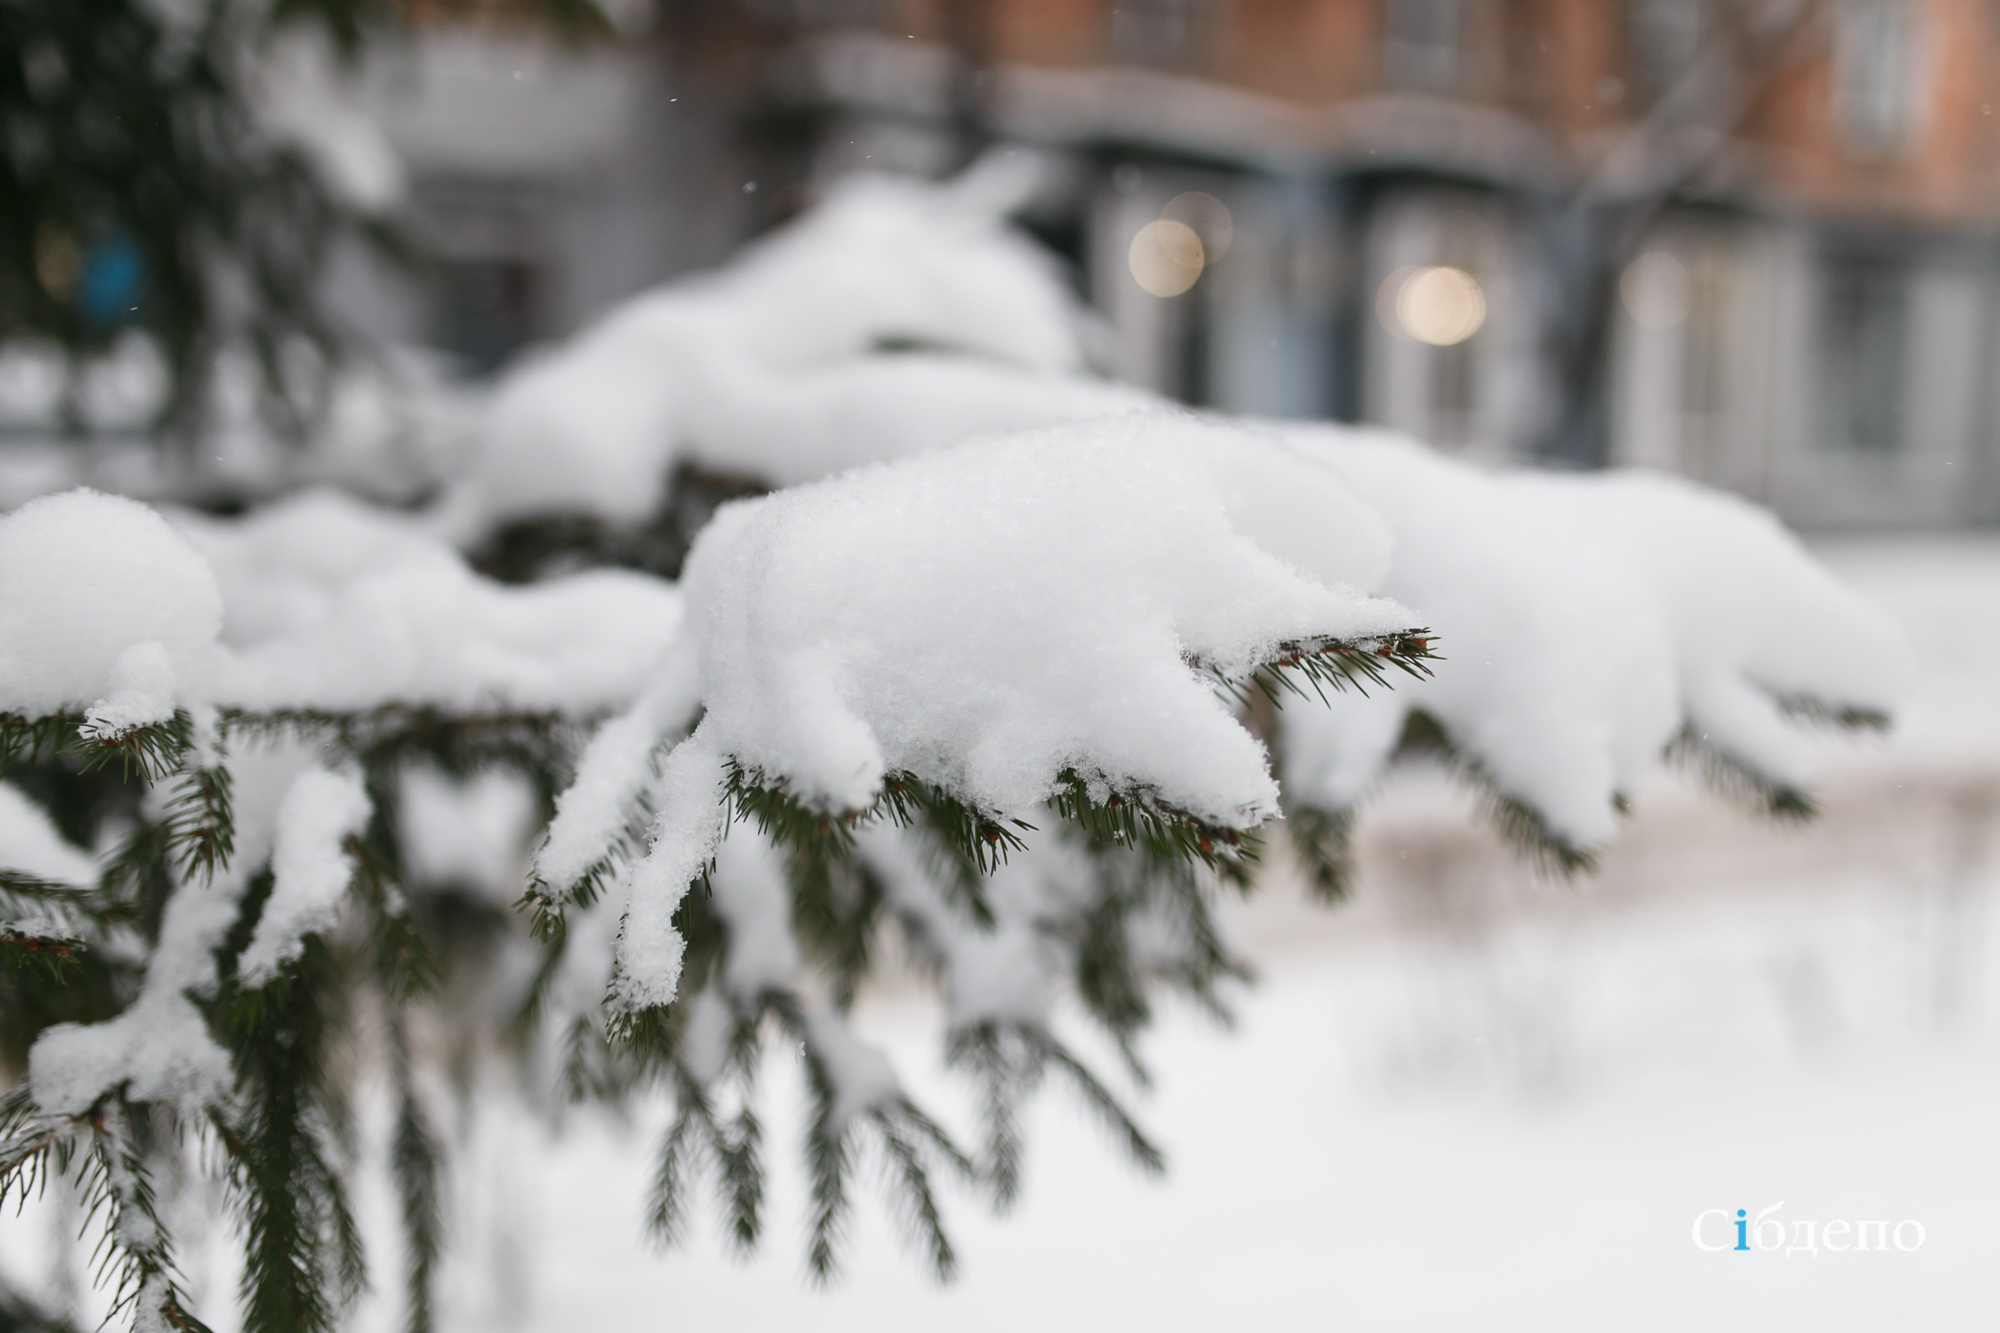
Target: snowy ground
[[1468, 1100]]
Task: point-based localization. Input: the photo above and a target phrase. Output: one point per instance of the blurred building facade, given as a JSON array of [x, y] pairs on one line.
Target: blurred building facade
[[1750, 240]]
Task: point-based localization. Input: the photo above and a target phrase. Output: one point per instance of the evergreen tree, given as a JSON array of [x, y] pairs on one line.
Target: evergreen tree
[[1029, 705]]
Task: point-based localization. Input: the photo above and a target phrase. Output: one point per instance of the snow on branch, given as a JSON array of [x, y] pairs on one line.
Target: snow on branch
[[993, 619]]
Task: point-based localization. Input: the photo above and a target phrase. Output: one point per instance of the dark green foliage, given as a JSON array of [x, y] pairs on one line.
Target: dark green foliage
[[138, 190], [135, 173], [1337, 665], [701, 1141], [301, 1246], [541, 546]]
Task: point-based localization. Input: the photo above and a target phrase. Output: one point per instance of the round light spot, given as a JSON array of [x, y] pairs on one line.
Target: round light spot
[[1166, 257], [1656, 290], [1207, 216], [1440, 305]]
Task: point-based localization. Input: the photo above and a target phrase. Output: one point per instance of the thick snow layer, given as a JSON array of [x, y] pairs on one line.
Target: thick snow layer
[[686, 834], [1584, 620], [101, 603], [330, 604], [990, 615], [1754, 619], [334, 604], [768, 368], [1554, 676], [791, 426], [310, 868]]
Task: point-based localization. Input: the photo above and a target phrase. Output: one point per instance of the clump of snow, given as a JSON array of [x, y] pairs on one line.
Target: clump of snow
[[1755, 621], [336, 605], [102, 603], [647, 967], [1557, 674], [990, 616], [310, 868], [790, 426], [1585, 621], [771, 365]]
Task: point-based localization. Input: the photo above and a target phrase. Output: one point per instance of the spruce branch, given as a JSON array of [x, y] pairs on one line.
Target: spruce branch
[[1737, 780], [1337, 665], [1323, 840], [416, 1165], [1098, 1098], [303, 1255], [699, 1140], [114, 1185], [201, 823], [1519, 823]]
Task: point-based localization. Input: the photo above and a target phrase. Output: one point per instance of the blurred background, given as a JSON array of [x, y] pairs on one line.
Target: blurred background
[[1749, 242], [1754, 243]]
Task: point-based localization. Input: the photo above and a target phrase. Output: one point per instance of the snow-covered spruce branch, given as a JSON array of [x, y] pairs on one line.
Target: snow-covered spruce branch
[[115, 1189], [994, 706]]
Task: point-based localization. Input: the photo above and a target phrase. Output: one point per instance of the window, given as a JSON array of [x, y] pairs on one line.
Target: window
[[485, 310], [1863, 332], [1171, 34], [1423, 43], [1878, 83], [1662, 39]]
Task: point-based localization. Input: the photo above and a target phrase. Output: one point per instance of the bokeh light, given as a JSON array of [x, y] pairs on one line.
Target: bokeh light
[[1439, 305], [1166, 257]]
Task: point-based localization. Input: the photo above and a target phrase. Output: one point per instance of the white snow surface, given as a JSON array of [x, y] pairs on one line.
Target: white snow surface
[[989, 615], [1583, 621], [101, 603], [310, 868], [335, 604]]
